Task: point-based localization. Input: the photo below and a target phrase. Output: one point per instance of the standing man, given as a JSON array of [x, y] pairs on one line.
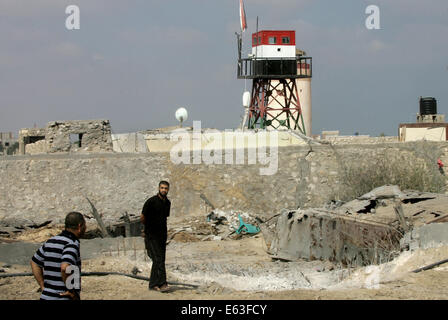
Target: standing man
[[56, 265], [155, 212]]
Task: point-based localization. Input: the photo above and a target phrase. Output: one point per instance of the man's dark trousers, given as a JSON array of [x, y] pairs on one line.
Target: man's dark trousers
[[156, 248]]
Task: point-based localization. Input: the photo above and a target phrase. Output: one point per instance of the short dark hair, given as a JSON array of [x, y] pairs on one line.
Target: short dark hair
[[73, 220], [165, 183]]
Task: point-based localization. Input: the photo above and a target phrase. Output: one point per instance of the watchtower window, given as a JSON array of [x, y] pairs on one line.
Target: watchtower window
[[285, 40], [76, 139], [272, 40], [255, 41]]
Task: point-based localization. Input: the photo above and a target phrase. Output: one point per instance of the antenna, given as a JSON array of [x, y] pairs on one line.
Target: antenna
[[181, 115], [239, 43]]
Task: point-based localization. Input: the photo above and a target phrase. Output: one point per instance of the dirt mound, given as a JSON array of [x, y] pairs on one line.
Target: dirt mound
[[185, 237]]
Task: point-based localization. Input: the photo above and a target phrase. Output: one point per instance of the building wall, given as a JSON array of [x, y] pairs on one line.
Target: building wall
[[96, 136], [274, 51], [38, 147], [46, 187], [211, 139], [416, 134], [129, 142]]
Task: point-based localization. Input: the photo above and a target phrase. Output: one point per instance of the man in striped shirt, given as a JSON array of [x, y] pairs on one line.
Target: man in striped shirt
[[56, 265]]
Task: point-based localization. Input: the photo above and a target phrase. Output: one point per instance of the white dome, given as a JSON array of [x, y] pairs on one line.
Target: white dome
[[181, 114]]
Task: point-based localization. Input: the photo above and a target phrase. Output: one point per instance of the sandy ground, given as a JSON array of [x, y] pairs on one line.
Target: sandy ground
[[241, 269]]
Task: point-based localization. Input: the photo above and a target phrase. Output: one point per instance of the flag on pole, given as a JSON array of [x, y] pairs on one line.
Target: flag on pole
[[242, 17]]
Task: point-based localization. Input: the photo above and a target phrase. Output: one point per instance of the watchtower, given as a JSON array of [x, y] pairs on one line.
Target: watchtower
[[274, 67]]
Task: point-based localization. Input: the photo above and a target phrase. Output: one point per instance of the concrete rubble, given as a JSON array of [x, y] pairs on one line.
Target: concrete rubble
[[361, 232], [216, 226]]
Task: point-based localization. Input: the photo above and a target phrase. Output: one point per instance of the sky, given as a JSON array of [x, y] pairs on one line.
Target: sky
[[135, 62]]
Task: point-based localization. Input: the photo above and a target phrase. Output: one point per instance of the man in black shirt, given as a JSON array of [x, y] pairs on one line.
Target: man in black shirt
[[155, 212]]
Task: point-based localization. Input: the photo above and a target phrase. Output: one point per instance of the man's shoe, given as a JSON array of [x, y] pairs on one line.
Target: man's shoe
[[164, 288], [155, 288]]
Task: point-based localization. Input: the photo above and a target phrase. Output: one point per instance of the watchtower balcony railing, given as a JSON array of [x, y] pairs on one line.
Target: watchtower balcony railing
[[275, 68]]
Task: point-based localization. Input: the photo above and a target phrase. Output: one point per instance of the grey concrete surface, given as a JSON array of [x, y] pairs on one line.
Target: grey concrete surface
[[22, 252]]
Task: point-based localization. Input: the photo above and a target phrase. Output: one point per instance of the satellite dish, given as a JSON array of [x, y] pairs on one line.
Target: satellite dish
[[181, 115], [246, 99]]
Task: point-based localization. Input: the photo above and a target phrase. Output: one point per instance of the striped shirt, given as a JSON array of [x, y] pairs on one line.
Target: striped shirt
[[56, 250]]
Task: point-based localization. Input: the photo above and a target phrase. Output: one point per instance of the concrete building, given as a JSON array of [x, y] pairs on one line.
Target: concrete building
[[429, 125], [67, 136], [7, 139]]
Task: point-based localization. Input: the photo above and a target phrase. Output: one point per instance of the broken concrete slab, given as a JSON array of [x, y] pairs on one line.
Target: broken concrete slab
[[344, 235], [357, 206], [386, 196], [318, 235], [383, 192], [426, 236]]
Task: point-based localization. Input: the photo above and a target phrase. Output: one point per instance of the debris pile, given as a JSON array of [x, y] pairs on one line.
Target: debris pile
[[217, 225], [364, 231], [15, 229]]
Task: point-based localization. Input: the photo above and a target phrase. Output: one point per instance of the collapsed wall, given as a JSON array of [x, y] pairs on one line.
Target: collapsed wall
[[316, 234], [371, 229]]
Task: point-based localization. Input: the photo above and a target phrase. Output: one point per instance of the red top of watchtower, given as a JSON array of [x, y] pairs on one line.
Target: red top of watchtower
[[273, 44], [274, 37]]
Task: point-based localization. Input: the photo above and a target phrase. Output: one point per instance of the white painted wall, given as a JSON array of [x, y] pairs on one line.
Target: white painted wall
[[304, 91], [416, 134], [129, 142], [274, 51]]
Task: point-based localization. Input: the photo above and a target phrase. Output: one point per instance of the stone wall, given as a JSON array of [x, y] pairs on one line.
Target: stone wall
[[361, 139], [46, 187], [36, 147]]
